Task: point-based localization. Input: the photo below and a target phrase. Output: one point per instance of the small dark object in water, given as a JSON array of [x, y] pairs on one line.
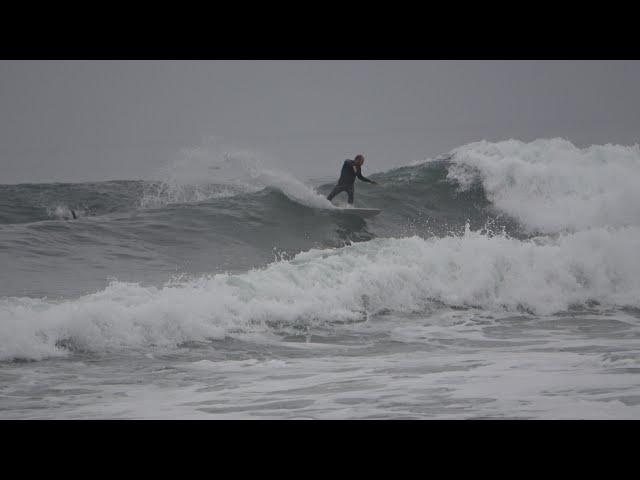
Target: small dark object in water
[[74, 214]]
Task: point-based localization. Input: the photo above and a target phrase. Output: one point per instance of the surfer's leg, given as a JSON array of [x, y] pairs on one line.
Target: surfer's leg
[[350, 193], [336, 190]]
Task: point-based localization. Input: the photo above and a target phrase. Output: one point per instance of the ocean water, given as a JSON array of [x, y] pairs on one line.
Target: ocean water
[[501, 280]]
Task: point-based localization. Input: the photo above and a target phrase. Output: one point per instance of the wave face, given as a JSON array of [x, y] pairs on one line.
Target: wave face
[[231, 248], [27, 203]]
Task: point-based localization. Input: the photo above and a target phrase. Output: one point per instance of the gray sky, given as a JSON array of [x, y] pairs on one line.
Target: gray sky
[[100, 120]]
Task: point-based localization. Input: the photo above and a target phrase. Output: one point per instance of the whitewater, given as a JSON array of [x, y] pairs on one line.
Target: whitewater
[[501, 281]]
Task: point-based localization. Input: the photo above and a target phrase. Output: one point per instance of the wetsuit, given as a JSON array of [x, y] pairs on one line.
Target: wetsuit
[[347, 179]]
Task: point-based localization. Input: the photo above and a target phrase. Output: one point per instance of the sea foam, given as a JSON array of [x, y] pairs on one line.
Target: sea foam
[[550, 185], [542, 275]]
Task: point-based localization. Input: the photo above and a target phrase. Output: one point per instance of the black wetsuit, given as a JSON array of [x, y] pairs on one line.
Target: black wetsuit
[[347, 179]]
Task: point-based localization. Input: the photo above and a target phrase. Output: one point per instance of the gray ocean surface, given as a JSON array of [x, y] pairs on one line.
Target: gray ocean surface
[[501, 280]]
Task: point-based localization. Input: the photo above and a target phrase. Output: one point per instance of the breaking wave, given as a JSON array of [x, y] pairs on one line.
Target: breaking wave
[[539, 227]]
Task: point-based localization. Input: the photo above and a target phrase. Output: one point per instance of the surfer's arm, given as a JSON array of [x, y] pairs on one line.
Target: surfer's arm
[[361, 177]]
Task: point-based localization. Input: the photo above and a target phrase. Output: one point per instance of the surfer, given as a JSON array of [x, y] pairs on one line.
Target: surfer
[[350, 170]]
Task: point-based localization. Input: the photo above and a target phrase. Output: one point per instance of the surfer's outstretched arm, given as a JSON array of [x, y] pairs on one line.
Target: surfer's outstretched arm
[[363, 178]]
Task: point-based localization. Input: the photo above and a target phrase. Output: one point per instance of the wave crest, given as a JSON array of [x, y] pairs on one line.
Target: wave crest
[[550, 185], [205, 173]]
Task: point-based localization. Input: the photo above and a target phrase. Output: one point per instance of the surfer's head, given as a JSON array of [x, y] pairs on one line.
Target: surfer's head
[[359, 160]]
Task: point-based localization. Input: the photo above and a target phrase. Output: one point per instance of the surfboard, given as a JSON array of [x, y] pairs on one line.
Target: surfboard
[[363, 212]]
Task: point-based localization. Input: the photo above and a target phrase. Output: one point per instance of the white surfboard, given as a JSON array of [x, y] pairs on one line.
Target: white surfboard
[[363, 212]]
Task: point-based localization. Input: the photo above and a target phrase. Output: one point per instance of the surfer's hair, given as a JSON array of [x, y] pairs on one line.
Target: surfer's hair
[[359, 157]]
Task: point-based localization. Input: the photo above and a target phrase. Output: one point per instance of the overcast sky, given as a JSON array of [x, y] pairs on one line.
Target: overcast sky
[[100, 120]]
